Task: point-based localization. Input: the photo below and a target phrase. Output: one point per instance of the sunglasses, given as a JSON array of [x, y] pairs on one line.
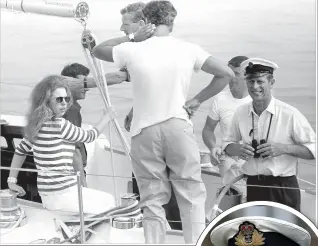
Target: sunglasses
[[60, 99]]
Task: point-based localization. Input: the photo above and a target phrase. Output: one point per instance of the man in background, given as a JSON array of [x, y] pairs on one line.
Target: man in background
[[81, 72], [222, 109]]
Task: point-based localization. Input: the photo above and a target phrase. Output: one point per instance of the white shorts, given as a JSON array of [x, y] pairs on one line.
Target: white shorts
[[94, 201]]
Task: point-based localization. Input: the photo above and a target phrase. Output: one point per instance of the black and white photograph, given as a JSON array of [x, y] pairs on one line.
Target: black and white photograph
[[143, 122]]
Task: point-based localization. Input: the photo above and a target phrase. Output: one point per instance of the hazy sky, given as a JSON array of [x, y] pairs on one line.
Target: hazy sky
[[279, 30]]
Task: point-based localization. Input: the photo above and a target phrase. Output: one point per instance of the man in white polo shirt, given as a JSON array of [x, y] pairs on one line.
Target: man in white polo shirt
[[222, 109], [163, 145], [274, 136]]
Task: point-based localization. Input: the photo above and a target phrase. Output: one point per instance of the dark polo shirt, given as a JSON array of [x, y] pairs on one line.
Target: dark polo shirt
[[74, 116]]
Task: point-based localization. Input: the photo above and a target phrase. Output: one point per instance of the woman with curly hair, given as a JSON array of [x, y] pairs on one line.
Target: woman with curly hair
[[52, 140]]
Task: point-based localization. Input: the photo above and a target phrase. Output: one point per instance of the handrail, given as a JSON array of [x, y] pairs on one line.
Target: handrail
[[211, 173]]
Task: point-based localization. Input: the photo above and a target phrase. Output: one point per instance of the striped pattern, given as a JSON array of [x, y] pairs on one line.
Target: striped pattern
[[53, 152]]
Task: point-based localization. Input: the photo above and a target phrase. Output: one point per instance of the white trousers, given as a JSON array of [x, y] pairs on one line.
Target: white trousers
[[94, 201], [166, 152]]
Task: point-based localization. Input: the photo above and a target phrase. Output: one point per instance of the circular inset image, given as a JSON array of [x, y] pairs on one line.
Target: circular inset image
[[260, 223]]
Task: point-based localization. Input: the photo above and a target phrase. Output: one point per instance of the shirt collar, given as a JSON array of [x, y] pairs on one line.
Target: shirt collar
[[270, 108]]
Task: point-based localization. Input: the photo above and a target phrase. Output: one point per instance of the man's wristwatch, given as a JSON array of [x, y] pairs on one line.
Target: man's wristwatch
[[131, 37]]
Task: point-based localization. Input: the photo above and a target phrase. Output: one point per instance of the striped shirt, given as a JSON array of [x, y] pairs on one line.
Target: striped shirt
[[53, 152]]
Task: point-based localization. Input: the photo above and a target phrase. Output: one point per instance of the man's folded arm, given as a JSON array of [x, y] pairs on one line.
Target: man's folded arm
[[232, 137], [222, 77]]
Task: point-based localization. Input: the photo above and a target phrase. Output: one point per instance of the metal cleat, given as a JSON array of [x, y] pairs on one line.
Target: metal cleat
[[128, 199], [128, 219]]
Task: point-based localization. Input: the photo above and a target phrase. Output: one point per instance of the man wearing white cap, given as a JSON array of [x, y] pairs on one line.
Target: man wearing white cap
[[274, 136]]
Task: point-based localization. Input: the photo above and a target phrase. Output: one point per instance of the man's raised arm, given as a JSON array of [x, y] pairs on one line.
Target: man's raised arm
[[111, 78], [104, 51], [222, 76]]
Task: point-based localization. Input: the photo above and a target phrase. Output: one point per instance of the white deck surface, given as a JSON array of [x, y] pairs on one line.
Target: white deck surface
[[40, 225]]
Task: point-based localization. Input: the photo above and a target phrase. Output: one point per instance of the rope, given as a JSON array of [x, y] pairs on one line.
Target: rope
[[18, 222], [87, 41], [32, 86], [12, 152], [146, 178], [102, 84], [118, 211], [95, 94]]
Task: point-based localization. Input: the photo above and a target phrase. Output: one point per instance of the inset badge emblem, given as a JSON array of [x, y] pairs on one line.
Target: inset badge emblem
[[249, 235]]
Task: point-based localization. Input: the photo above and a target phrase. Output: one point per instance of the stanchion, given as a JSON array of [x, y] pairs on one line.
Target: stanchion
[[80, 203]]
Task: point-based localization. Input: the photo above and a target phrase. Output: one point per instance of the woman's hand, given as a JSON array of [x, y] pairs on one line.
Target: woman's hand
[[110, 113], [16, 188]]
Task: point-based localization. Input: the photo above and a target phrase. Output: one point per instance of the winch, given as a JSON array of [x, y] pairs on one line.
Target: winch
[[11, 215], [128, 221]]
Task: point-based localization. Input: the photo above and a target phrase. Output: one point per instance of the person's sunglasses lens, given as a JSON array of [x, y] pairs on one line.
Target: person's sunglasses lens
[[60, 99]]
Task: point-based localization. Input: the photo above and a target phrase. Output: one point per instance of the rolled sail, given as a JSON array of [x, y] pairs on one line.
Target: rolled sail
[[71, 9]]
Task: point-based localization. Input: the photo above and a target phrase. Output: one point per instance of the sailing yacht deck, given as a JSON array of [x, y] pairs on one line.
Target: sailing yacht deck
[[40, 222], [41, 225]]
